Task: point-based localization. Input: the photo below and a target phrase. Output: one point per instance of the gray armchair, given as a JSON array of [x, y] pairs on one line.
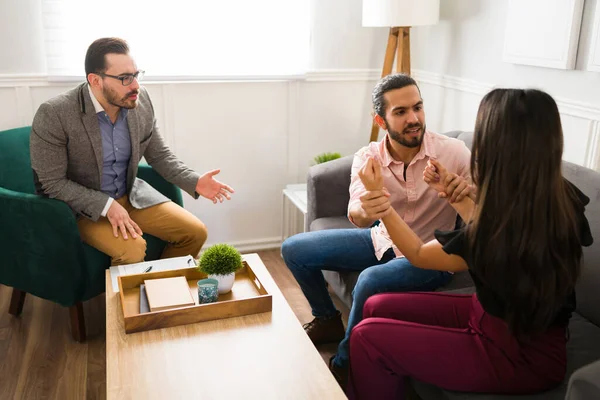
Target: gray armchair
[[328, 196], [327, 200]]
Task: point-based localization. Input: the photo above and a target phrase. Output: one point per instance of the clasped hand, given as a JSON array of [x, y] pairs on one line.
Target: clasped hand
[[448, 185]]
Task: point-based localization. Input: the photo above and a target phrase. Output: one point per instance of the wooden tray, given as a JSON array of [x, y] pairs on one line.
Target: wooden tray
[[248, 296]]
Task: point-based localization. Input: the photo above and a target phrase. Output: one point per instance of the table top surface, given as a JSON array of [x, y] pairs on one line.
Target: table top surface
[[266, 356]]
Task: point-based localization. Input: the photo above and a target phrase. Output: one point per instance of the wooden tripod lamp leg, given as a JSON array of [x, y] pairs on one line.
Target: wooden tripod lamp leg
[[390, 51], [403, 60], [388, 63]]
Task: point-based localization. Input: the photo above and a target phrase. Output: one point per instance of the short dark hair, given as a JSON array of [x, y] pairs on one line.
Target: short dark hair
[[95, 60], [386, 84]]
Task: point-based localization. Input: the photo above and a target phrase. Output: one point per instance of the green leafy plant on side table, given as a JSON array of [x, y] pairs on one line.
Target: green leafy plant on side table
[[220, 262], [321, 158]]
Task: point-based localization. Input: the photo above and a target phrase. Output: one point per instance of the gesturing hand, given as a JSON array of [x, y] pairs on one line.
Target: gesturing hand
[[212, 189], [448, 185], [435, 175], [120, 221], [370, 175]]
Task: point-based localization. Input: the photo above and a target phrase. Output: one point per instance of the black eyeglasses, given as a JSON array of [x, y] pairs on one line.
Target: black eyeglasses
[[126, 79]]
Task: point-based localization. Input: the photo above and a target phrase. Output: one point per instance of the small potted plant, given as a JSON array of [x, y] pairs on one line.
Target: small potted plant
[[325, 157], [220, 262]]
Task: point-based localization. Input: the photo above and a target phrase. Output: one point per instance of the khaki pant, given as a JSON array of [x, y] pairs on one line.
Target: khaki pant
[[184, 233]]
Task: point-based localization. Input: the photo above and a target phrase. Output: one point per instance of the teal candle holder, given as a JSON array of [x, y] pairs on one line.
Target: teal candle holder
[[208, 291]]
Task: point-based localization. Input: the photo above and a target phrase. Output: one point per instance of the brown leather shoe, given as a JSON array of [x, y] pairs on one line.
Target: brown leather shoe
[[339, 373], [325, 329]]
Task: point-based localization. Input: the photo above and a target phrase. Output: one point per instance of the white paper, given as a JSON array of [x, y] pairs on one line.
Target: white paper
[[157, 265]]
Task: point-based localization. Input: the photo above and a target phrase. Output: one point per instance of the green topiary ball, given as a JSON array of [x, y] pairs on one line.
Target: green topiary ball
[[220, 259]]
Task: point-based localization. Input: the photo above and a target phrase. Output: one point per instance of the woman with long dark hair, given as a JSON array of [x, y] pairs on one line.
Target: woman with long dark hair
[[522, 246]]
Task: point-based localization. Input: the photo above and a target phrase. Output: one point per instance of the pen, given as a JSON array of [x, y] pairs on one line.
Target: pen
[[148, 269]]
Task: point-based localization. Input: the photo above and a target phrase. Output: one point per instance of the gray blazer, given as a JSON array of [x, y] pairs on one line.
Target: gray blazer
[[66, 154]]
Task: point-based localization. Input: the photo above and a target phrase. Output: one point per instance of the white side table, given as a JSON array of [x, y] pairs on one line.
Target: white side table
[[290, 219]]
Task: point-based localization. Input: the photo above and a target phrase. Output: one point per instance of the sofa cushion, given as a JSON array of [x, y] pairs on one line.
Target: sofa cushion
[[465, 136], [460, 280], [584, 383], [342, 284], [582, 349], [588, 287], [331, 223]]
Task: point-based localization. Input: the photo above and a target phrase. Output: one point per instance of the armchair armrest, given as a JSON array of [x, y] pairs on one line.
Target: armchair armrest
[[585, 383], [41, 249], [328, 189], [147, 173]]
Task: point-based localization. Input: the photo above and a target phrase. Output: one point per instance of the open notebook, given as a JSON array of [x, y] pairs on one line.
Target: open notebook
[[157, 265]]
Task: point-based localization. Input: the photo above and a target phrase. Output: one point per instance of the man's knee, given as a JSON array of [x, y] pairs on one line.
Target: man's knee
[[133, 252], [198, 233], [293, 248], [368, 284], [287, 248]]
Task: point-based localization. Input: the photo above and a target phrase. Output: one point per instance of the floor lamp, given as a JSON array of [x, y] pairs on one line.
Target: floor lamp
[[399, 16]]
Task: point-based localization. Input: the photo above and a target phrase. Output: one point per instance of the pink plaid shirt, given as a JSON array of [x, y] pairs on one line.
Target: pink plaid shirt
[[417, 204]]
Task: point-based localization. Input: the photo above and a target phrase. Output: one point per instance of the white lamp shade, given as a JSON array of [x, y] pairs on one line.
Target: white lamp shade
[[390, 13]]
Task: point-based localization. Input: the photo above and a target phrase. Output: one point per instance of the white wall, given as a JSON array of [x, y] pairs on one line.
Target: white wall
[[461, 59], [338, 41], [264, 134], [468, 43]]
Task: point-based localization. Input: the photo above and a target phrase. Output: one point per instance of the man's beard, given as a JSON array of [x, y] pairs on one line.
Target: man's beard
[[113, 98], [403, 140]]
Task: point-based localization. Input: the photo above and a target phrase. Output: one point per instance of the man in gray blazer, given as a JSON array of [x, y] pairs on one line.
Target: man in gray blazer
[[85, 148]]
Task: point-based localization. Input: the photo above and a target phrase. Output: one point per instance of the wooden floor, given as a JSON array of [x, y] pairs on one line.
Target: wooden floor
[[39, 360]]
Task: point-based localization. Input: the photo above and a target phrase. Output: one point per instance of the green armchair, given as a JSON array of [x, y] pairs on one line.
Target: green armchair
[[42, 252]]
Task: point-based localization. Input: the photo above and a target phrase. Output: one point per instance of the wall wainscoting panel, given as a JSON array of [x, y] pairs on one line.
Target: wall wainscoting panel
[[264, 134], [457, 100], [592, 155]]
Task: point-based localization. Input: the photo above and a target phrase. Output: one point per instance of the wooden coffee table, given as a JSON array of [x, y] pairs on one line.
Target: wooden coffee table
[[266, 356]]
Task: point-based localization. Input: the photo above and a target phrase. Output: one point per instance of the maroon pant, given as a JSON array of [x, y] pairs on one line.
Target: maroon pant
[[447, 340]]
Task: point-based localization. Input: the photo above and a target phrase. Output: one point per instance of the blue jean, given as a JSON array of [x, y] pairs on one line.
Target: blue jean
[[307, 254]]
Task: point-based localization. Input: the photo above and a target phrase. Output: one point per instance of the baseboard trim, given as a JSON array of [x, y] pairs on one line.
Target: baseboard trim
[[248, 246]]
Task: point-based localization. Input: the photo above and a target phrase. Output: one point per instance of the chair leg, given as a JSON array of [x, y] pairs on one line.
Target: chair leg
[[77, 322], [16, 302]]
